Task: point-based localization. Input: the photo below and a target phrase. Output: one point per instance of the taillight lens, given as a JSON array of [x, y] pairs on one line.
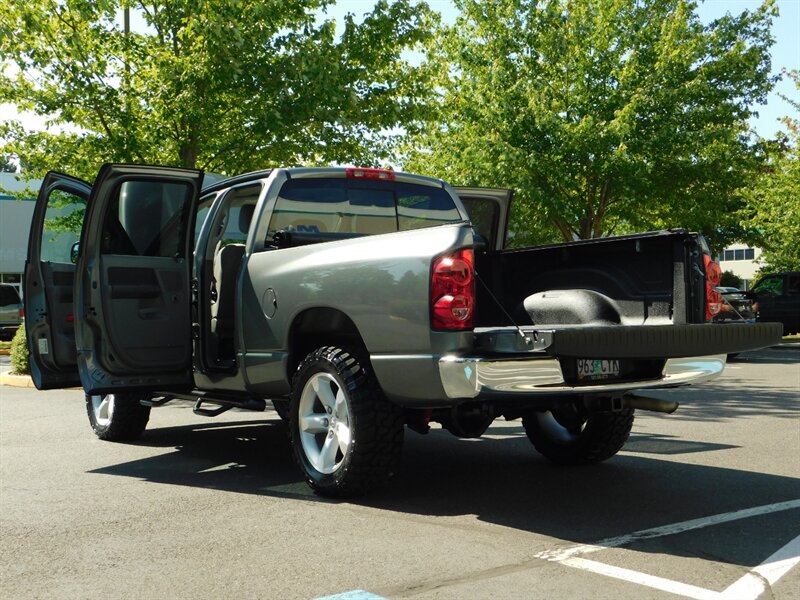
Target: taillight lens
[[713, 297], [21, 313], [453, 291]]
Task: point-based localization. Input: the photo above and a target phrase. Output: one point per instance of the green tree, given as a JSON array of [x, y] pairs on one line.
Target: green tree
[[6, 165], [604, 115], [773, 210], [730, 279], [223, 85]]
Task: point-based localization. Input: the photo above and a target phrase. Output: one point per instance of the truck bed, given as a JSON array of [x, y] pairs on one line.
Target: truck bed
[[630, 281]]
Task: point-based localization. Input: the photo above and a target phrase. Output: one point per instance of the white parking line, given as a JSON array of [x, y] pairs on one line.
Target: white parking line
[[651, 581], [748, 587], [647, 534], [771, 570]]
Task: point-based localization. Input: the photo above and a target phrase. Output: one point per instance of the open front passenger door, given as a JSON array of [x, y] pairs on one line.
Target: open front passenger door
[[133, 317], [488, 210], [50, 279]]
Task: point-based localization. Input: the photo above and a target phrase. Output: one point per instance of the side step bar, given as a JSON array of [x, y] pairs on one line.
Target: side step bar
[[222, 406]]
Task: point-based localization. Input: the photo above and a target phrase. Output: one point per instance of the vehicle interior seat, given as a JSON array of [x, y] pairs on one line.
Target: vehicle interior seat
[[227, 261]]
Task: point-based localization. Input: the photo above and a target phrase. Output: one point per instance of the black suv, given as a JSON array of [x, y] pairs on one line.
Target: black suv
[[10, 311], [777, 298]]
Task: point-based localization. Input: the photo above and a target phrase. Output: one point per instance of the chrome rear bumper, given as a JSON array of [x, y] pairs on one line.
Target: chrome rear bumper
[[465, 377]]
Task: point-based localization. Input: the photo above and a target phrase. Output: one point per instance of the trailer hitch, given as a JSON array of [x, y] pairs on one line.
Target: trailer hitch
[[649, 403]]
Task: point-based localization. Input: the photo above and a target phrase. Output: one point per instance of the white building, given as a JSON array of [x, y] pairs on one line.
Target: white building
[[15, 225], [741, 260]]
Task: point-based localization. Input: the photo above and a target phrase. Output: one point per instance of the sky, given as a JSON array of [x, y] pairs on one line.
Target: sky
[[785, 53]]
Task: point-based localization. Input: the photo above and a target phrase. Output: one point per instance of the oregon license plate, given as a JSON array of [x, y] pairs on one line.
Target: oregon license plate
[[596, 368]]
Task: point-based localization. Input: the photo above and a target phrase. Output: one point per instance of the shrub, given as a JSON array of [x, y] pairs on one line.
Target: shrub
[[19, 353], [730, 279]]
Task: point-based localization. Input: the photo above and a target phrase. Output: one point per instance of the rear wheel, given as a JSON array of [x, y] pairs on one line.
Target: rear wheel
[[576, 435], [345, 435], [117, 417]]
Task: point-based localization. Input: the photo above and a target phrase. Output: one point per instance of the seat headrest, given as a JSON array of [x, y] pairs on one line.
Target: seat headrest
[[245, 216]]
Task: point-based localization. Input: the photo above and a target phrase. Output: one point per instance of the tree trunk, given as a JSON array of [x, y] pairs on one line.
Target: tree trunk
[[189, 149]]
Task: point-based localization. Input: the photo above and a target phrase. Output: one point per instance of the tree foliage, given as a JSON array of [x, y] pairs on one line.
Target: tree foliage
[[731, 279], [223, 85], [6, 165], [773, 209], [19, 353], [604, 115]]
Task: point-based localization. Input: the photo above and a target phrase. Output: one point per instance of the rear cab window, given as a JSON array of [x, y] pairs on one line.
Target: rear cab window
[[359, 207]]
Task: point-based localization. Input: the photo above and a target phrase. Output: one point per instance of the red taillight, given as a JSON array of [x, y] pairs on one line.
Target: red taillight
[[21, 313], [453, 291], [713, 297], [363, 173], [70, 318]]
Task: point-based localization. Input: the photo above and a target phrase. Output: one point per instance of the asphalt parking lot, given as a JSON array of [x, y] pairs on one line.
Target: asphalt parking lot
[[701, 504]]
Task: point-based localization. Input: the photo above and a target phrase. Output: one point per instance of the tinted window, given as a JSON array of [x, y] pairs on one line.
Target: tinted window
[[359, 207], [146, 219], [484, 215], [200, 216], [793, 284], [773, 285], [8, 295], [63, 220]]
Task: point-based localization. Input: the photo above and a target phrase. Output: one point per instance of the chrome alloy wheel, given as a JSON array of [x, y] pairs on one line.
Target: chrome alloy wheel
[[324, 423], [103, 407]]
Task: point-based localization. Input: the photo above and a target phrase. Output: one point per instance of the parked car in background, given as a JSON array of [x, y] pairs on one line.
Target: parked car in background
[[11, 312], [736, 306], [777, 299]]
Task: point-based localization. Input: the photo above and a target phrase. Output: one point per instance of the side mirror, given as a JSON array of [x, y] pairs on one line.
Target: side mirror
[[73, 252]]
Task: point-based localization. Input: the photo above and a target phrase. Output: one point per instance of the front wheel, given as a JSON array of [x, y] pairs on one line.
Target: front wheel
[[576, 435], [345, 435], [117, 417]]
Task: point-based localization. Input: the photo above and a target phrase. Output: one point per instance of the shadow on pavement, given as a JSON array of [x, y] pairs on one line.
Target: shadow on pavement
[[735, 395], [501, 480]]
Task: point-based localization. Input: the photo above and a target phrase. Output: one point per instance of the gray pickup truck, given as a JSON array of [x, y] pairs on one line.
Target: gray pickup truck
[[358, 302]]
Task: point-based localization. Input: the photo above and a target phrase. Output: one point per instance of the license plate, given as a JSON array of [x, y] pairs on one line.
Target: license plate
[[596, 368]]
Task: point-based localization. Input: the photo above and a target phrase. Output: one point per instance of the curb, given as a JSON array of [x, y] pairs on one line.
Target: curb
[[23, 381]]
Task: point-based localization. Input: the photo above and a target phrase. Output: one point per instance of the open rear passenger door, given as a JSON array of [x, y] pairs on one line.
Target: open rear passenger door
[[133, 295], [50, 279]]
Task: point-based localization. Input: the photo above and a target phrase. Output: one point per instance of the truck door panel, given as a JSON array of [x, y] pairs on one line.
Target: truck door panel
[[134, 296], [50, 279], [145, 306]]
